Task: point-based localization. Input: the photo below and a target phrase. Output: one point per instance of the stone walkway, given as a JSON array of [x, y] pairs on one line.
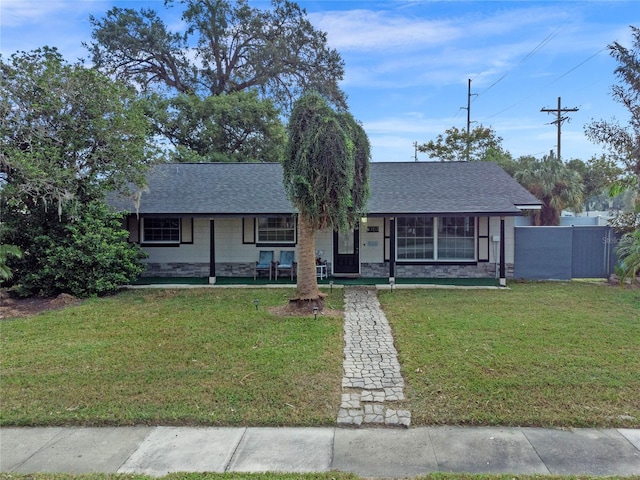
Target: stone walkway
[[372, 378]]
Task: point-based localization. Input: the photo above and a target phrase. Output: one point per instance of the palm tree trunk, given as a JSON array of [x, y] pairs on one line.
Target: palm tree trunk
[[307, 294]]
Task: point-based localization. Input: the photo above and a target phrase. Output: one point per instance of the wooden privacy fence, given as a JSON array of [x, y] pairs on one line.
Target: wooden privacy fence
[[563, 253]]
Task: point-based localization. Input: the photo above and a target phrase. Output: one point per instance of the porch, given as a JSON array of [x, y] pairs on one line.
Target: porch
[[326, 282]]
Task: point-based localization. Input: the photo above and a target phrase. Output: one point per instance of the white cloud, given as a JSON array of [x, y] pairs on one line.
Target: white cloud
[[26, 12], [367, 30]]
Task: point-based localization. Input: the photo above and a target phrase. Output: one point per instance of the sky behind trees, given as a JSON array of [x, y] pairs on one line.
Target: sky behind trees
[[407, 62]]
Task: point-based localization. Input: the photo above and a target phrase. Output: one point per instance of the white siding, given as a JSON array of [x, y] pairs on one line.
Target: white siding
[[229, 246], [509, 233], [324, 242], [372, 243], [197, 252], [230, 249]]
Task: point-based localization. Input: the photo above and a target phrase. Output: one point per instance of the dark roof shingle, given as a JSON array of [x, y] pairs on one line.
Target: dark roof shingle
[[445, 188], [396, 188]]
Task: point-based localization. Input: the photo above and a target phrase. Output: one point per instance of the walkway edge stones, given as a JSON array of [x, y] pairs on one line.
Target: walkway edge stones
[[372, 377]]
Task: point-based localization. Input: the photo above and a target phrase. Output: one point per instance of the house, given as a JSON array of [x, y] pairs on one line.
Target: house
[[423, 219]]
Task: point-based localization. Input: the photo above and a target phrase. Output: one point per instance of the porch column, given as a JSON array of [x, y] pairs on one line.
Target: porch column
[[392, 250], [503, 277], [212, 253]]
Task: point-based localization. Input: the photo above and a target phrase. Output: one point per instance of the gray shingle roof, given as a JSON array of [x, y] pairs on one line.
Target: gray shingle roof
[[396, 188], [213, 188], [445, 188]]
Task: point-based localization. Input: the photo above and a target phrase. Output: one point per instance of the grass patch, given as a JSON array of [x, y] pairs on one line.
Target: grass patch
[[538, 354], [172, 357]]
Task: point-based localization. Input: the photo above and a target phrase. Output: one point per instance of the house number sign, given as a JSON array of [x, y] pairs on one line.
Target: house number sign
[[373, 229]]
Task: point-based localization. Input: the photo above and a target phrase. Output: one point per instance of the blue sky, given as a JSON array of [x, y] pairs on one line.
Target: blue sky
[[407, 62]]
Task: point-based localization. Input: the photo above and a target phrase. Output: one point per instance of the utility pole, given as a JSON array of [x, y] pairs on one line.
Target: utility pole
[[560, 118], [415, 151], [468, 109]]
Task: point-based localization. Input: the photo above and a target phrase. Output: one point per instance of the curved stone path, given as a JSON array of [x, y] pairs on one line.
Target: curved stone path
[[372, 378]]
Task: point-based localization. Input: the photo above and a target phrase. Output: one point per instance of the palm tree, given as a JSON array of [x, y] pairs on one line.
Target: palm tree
[[628, 251], [555, 185], [7, 251], [326, 176]]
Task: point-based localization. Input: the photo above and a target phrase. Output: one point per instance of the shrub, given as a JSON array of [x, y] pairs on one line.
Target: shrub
[[89, 255]]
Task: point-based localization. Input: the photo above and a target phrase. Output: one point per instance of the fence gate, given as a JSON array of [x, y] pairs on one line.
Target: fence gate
[[563, 253]]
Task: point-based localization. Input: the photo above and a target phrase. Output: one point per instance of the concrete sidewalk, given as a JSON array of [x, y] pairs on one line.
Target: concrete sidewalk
[[368, 452]]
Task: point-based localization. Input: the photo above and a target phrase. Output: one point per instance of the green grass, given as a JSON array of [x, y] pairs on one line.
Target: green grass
[[537, 354], [174, 357], [543, 354]]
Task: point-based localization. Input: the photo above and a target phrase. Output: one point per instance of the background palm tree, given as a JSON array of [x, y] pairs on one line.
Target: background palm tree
[[555, 185]]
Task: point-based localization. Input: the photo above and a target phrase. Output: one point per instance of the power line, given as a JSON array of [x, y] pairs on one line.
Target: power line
[[546, 85], [531, 53]]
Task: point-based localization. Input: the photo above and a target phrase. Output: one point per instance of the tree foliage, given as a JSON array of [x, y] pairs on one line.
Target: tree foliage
[[326, 176], [320, 164], [454, 144], [598, 174], [624, 141], [69, 135], [234, 127], [260, 59], [555, 185], [238, 48]]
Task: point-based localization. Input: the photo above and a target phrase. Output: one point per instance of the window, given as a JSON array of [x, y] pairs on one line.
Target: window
[[456, 238], [276, 230], [415, 238], [435, 238], [161, 230]]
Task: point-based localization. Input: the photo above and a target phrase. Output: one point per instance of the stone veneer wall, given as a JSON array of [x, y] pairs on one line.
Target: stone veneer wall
[[176, 269], [481, 270], [198, 269], [229, 269], [374, 270], [369, 270]]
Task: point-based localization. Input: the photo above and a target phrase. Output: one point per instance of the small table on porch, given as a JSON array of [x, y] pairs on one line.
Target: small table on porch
[[321, 270]]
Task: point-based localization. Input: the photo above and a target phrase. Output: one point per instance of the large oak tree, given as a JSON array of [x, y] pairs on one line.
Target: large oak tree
[[227, 48]]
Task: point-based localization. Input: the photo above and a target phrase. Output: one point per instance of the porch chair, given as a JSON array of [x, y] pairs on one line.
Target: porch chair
[[286, 264], [264, 264]]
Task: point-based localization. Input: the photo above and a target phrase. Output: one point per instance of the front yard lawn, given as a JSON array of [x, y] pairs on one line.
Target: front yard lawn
[[542, 354], [174, 357], [547, 354]]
